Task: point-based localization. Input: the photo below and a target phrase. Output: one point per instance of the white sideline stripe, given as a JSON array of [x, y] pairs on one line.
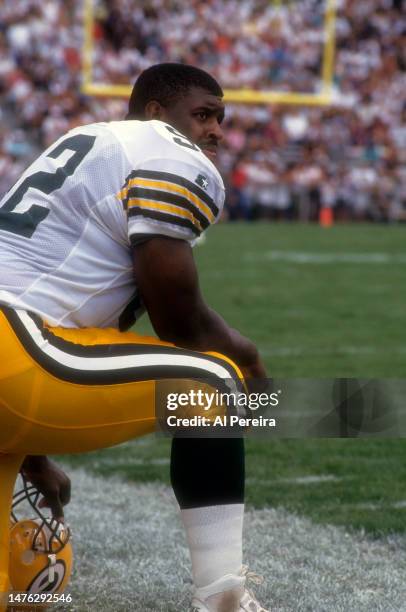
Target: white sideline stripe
[[119, 362], [305, 257], [131, 554]]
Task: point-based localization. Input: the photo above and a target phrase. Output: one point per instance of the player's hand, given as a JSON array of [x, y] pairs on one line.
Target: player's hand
[[255, 376], [51, 481]]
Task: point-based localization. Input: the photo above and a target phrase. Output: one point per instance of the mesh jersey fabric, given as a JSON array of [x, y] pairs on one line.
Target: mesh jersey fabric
[[67, 226]]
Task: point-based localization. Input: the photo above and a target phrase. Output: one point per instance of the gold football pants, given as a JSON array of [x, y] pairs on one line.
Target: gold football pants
[[75, 390]]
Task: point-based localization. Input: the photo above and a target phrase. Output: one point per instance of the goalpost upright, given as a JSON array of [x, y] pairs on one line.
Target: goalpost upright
[[242, 96]]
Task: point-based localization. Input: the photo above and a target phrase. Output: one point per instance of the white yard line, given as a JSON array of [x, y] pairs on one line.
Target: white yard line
[[299, 480], [117, 461], [398, 505], [297, 351], [307, 257], [131, 555]]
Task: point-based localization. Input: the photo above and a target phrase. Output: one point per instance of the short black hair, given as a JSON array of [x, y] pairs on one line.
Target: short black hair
[[166, 83]]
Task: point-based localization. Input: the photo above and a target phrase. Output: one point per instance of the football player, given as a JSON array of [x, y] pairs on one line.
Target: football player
[[100, 228]]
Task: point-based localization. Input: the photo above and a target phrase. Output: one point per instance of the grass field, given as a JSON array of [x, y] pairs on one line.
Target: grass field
[[319, 303]]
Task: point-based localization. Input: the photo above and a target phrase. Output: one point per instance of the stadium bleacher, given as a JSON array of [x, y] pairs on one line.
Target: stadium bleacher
[[278, 162]]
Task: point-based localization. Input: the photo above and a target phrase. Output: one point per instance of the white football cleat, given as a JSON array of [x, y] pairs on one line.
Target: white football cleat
[[228, 594]]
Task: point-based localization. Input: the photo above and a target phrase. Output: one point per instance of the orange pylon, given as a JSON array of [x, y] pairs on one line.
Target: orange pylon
[[326, 216]]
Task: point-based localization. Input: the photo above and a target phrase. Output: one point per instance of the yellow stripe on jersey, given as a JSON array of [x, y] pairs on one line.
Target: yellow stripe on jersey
[[168, 208], [172, 188]]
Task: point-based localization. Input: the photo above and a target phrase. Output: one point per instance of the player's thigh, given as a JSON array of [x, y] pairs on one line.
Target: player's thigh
[[77, 390], [53, 400]]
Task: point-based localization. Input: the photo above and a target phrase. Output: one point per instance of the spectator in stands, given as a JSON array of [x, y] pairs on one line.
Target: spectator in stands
[[357, 145]]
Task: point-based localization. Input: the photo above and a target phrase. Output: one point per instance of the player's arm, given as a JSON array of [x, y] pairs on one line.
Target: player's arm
[[168, 282]]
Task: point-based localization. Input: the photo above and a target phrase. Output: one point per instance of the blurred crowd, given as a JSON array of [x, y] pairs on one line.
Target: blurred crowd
[[281, 162]]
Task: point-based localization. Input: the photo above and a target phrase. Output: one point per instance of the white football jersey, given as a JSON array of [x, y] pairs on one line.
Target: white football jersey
[[67, 226]]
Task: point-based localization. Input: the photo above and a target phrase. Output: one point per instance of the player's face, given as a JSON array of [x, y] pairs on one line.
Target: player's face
[[198, 115]]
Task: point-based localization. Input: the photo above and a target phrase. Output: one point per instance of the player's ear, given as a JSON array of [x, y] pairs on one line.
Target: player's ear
[[153, 110]]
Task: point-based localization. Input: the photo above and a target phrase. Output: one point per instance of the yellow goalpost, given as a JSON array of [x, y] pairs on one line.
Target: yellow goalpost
[[243, 96]]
